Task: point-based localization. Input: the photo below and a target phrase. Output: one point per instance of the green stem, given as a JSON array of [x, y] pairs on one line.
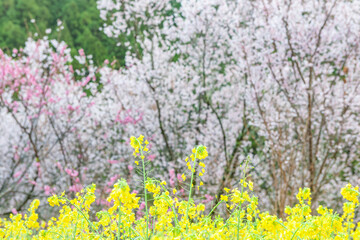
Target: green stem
[[242, 190], [215, 208], [191, 185], [119, 221], [233, 213], [173, 209], [77, 217], [131, 228], [57, 234], [171, 206], [79, 210], [145, 192]]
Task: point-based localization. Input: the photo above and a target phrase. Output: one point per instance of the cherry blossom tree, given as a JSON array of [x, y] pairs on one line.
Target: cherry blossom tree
[[49, 141], [183, 61], [285, 68], [301, 60]]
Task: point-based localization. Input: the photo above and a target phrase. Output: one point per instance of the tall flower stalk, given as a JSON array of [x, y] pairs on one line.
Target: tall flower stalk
[[200, 153], [243, 182], [136, 143]]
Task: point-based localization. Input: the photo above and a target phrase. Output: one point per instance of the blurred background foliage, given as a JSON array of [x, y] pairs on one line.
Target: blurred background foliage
[[80, 19]]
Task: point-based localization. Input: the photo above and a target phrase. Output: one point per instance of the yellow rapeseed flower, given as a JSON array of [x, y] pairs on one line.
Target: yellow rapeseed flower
[[166, 217], [183, 177], [201, 152], [134, 142]]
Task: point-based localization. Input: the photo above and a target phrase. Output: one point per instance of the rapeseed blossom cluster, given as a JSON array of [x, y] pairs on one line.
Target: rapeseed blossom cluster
[[165, 216]]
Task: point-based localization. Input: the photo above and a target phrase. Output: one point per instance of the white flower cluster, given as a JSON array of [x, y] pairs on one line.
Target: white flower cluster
[[231, 74]]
